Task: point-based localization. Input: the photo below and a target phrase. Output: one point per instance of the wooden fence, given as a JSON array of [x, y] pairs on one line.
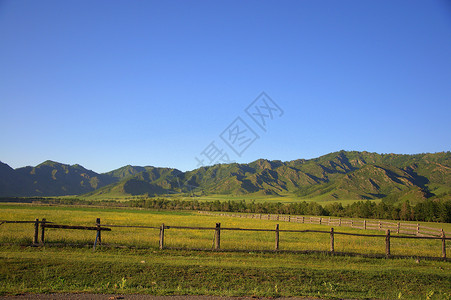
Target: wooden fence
[[39, 239], [398, 227]]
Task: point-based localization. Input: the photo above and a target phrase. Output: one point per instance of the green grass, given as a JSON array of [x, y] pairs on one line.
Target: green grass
[[170, 272], [179, 238], [147, 269], [258, 198]]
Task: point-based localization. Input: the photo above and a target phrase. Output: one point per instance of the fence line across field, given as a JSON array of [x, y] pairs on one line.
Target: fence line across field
[[44, 224], [399, 227]]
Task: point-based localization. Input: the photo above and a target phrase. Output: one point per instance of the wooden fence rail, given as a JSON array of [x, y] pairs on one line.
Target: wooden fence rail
[[217, 233], [398, 227]]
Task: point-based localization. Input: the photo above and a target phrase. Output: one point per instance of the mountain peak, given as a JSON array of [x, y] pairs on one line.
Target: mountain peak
[[50, 163]]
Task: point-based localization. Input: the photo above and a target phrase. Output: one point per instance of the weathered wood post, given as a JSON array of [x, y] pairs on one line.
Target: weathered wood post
[[218, 236], [364, 224], [99, 231], [43, 231], [162, 236], [397, 228], [418, 228], [277, 237], [339, 222], [443, 245], [387, 243], [332, 246], [36, 231], [320, 220]]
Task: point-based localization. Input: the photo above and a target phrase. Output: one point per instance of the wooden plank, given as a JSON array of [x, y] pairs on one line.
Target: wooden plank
[[434, 233], [418, 237], [332, 246], [76, 227], [99, 231], [23, 222], [218, 236], [36, 232], [131, 226], [43, 224], [162, 236], [431, 228], [387, 243]]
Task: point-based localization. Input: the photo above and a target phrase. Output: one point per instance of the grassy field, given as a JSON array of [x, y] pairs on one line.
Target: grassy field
[[143, 268], [169, 272], [282, 198], [23, 233]]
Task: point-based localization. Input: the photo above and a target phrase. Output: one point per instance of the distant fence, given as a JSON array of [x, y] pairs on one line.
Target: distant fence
[[398, 227], [39, 239]]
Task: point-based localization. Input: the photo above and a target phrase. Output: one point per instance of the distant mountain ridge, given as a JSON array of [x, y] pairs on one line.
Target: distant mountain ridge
[[338, 175]]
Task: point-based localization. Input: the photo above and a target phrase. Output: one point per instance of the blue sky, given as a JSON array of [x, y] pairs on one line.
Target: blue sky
[[110, 83]]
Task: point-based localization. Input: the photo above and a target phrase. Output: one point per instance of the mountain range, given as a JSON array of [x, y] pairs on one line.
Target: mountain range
[[335, 176]]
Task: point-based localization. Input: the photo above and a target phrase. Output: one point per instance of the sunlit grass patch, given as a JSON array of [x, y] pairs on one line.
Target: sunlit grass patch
[[196, 238], [169, 272]]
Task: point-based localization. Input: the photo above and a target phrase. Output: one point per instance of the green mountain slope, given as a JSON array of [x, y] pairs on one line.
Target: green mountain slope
[[52, 179], [55, 179], [335, 176]]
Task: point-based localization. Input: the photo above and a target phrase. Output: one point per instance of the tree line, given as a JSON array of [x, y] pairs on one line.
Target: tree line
[[427, 210]]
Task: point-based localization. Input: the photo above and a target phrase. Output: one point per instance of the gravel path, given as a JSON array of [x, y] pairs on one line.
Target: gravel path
[[133, 297]]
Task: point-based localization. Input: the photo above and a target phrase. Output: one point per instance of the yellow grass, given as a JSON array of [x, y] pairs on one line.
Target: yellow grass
[[184, 238]]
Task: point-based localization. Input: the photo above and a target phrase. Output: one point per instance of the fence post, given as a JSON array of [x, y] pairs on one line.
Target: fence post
[[218, 236], [397, 228], [320, 220], [332, 247], [43, 231], [99, 232], [162, 236], [387, 243], [339, 222], [418, 228], [364, 224], [380, 225], [352, 223], [277, 237], [36, 231], [302, 220], [443, 245]]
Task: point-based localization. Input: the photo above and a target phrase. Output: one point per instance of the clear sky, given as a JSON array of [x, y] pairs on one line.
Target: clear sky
[[110, 83]]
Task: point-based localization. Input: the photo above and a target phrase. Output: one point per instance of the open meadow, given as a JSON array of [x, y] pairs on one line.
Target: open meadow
[[258, 198], [130, 261]]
